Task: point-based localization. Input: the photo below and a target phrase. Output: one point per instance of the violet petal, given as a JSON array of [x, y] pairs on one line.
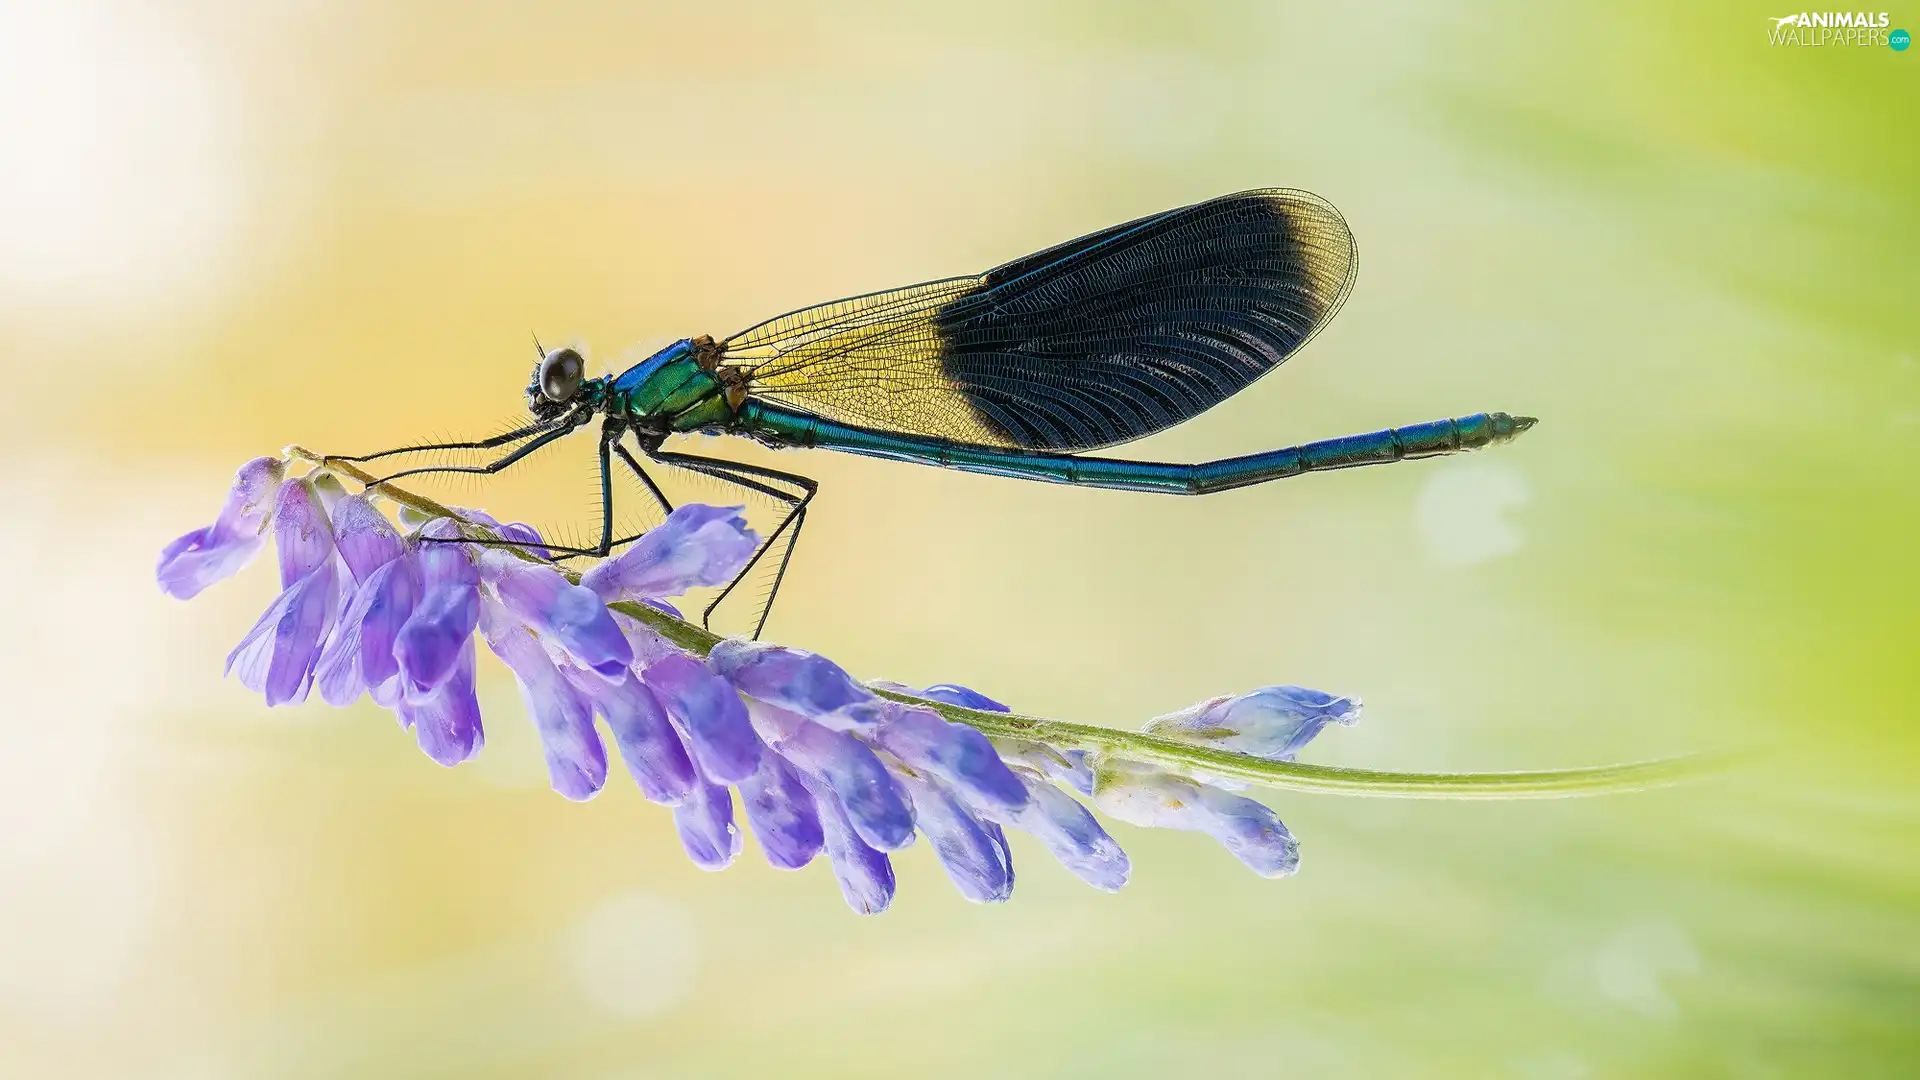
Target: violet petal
[[217, 551], [277, 656], [206, 555], [956, 753], [973, 855], [1072, 834], [871, 796], [576, 761], [782, 813], [697, 545], [654, 754], [965, 697], [865, 875], [798, 681], [366, 539], [391, 592], [569, 615], [1274, 722], [705, 824], [447, 722], [428, 642], [710, 714], [301, 531]]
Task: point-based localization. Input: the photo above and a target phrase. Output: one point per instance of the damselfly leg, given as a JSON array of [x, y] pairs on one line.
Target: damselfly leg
[[759, 479]]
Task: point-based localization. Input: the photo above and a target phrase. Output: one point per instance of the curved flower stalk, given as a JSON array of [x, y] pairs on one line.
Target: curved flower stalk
[[821, 763]]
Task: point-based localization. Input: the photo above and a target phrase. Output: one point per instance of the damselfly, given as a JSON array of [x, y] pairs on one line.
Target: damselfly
[[1015, 372]]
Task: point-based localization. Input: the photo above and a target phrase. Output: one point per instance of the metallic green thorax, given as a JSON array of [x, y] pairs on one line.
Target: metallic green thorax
[[671, 391]]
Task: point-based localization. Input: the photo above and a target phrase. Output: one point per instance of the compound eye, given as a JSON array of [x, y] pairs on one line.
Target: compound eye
[[560, 374]]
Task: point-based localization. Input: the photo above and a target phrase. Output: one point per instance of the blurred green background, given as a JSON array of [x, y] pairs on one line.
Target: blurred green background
[[225, 227]]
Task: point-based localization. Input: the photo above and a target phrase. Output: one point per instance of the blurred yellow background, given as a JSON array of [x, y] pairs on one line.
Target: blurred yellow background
[[225, 227]]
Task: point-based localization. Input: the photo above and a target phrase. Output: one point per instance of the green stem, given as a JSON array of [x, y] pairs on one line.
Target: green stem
[[1166, 753]]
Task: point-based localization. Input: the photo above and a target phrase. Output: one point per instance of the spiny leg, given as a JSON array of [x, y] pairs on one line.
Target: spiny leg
[[482, 444], [658, 495], [495, 466], [737, 473], [610, 432]]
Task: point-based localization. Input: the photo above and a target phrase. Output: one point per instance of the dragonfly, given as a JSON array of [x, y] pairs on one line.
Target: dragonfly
[[1017, 372]]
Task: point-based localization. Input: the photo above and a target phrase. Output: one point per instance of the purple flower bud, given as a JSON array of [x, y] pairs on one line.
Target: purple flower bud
[[697, 545], [366, 539], [782, 813], [218, 551], [1273, 722], [705, 824], [973, 854], [301, 531], [517, 531], [648, 744], [1070, 832], [870, 795], [709, 713], [957, 754], [1247, 829], [955, 694], [798, 681], [447, 723], [865, 875], [566, 614], [576, 762], [1250, 831], [278, 654]]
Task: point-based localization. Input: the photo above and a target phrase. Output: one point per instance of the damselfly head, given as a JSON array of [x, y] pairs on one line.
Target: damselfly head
[[556, 381]]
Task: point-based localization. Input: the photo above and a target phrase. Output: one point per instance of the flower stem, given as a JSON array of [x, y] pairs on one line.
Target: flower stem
[[1166, 753]]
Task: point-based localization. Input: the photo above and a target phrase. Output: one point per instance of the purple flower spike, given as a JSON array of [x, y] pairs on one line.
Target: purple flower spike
[[1070, 832], [709, 713], [696, 545], [973, 853], [782, 813], [278, 654], [576, 762], [865, 875], [955, 753], [218, 551], [705, 824], [653, 752], [1273, 722], [366, 539], [447, 723], [872, 798], [800, 682]]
